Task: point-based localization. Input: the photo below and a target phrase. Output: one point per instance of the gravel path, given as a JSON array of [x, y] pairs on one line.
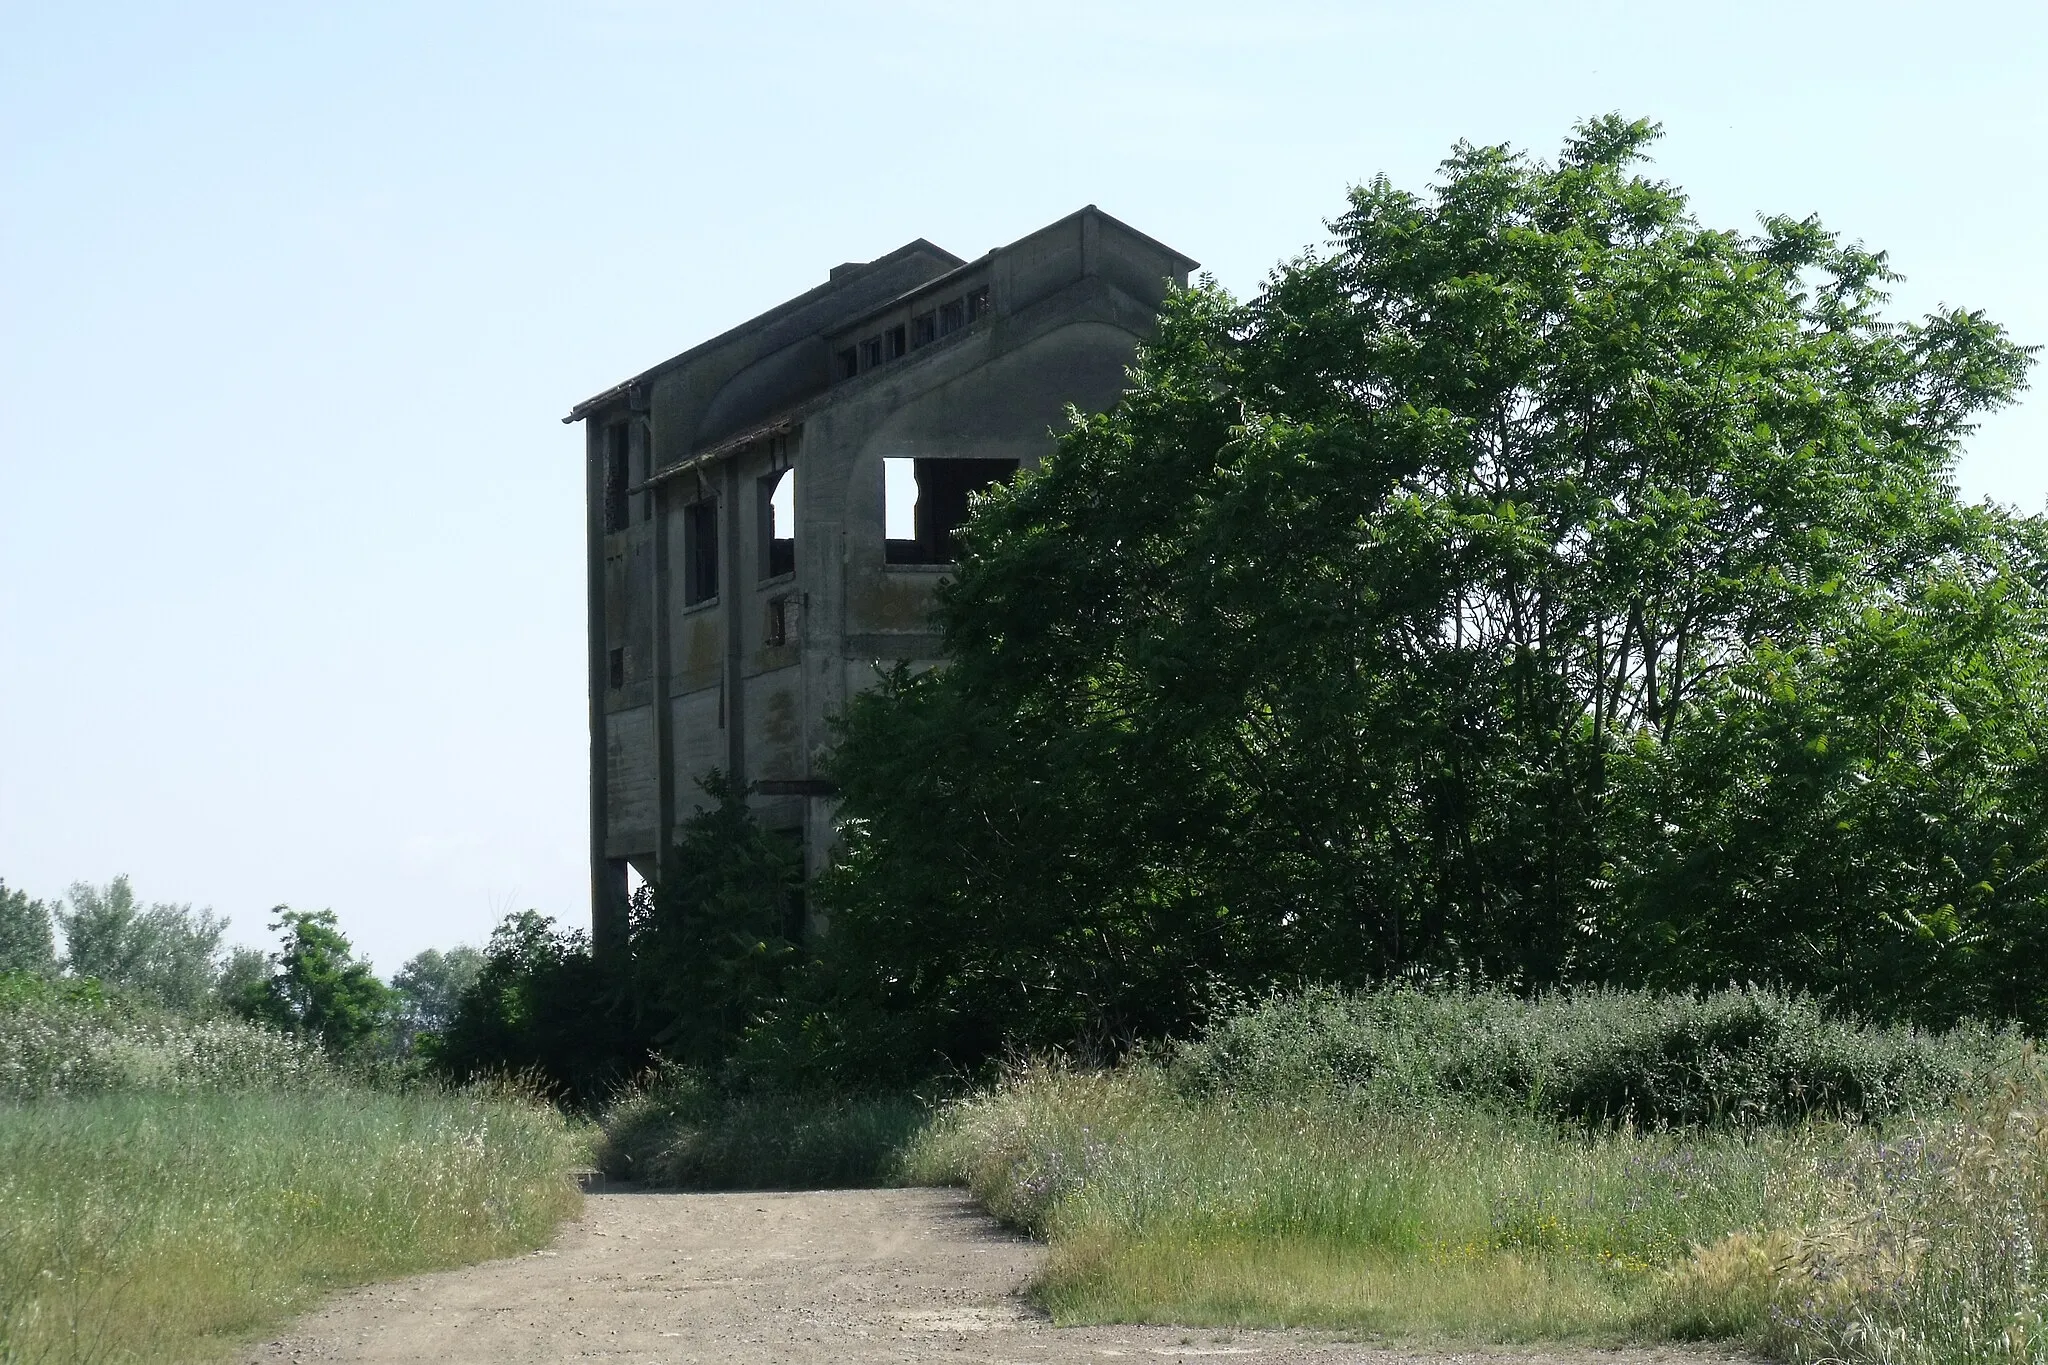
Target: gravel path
[[796, 1279]]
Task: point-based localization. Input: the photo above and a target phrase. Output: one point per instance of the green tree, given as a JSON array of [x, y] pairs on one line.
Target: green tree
[[713, 946], [1339, 648], [713, 940], [1866, 814], [430, 986], [545, 1010], [26, 944], [166, 952], [317, 987]]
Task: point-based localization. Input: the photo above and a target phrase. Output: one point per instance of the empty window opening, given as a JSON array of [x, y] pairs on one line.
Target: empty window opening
[[615, 664], [700, 552], [778, 524], [952, 316], [870, 353], [925, 502], [615, 477], [924, 329], [977, 304], [783, 626], [893, 342], [849, 363]]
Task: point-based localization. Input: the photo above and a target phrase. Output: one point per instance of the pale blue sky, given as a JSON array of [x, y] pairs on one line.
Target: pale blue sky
[[291, 300]]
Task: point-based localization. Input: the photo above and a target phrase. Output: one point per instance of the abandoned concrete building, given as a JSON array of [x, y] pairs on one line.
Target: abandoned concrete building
[[770, 511]]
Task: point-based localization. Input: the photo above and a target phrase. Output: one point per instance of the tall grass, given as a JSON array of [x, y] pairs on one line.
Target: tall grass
[[1449, 1223], [154, 1227], [168, 1186], [1201, 1189]]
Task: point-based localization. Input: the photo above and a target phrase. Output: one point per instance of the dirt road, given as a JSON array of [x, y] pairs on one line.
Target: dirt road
[[796, 1279]]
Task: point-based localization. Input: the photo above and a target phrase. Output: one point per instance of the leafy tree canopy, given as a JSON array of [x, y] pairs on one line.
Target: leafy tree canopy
[[1534, 583], [317, 986], [26, 943], [166, 952], [430, 986]]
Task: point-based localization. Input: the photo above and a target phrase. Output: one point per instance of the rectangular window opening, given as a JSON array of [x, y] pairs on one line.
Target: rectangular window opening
[[977, 304], [894, 342], [782, 626], [778, 523], [870, 353], [952, 316], [700, 552], [924, 329], [849, 363], [925, 501], [615, 665], [615, 477]]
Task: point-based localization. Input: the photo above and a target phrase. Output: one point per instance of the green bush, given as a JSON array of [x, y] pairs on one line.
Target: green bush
[[679, 1130], [70, 1038], [1598, 1057]]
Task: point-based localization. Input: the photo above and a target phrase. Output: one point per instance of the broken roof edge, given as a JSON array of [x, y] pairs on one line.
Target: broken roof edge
[[840, 278], [788, 421]]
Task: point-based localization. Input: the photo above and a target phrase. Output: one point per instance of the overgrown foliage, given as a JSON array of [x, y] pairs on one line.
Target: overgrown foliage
[[684, 1129], [1605, 1057], [1537, 585], [1915, 1242], [26, 941], [167, 953], [713, 942], [317, 987], [72, 1038], [709, 949], [429, 988], [544, 1010]]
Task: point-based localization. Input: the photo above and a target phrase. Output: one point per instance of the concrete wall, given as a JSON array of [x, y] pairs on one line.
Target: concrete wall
[[1069, 306]]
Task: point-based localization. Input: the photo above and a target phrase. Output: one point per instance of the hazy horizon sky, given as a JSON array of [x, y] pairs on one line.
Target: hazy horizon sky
[[292, 301]]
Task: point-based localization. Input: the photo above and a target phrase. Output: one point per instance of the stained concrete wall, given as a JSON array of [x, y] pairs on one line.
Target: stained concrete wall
[[1070, 304]]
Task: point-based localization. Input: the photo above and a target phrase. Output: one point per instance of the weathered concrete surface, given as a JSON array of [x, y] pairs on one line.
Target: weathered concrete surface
[[797, 1279]]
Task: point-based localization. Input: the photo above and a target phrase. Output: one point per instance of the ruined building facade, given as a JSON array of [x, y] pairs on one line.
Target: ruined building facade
[[770, 511]]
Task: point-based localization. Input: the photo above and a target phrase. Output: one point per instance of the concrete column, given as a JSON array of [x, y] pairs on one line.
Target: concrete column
[[607, 878], [737, 595], [663, 715]]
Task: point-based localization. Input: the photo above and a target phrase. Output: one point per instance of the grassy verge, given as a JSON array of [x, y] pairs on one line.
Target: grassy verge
[[1821, 1239], [170, 1226]]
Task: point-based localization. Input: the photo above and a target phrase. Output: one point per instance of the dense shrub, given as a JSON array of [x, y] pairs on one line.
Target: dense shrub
[[682, 1130], [1607, 1056], [543, 1009], [70, 1038], [709, 950]]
